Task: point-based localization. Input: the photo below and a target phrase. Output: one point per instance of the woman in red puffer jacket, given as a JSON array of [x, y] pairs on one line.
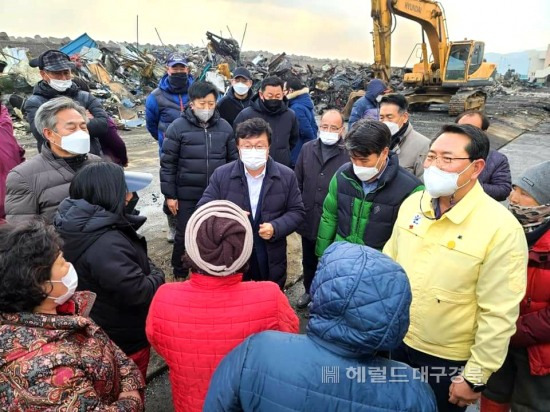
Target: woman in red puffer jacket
[[523, 382], [194, 324]]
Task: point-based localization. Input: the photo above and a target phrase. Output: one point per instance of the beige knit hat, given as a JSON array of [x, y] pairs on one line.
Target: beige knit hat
[[218, 238]]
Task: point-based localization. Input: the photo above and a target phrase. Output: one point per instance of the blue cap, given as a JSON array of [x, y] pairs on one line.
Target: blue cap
[[136, 181], [176, 58]]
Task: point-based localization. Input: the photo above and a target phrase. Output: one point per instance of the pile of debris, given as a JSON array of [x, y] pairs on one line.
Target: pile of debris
[[123, 75]]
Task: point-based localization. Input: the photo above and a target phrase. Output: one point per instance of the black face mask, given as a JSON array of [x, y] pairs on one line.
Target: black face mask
[[273, 105], [178, 82]]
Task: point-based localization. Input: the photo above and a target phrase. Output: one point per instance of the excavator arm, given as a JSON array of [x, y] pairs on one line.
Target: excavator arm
[[427, 13]]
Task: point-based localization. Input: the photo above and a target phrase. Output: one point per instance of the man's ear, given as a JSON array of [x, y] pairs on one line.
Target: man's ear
[[48, 134], [479, 165]]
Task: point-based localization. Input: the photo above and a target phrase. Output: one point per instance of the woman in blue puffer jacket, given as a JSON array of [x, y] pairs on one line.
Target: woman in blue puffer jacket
[[360, 307]]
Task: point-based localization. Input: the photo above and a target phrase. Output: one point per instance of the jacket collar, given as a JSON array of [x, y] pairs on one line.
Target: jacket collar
[[297, 93], [459, 212], [332, 151], [214, 282]]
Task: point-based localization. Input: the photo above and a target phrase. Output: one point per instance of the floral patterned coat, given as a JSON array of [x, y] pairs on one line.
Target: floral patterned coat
[[63, 362]]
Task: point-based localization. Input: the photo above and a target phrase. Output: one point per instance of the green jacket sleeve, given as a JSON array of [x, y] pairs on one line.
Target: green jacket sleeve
[[329, 219]]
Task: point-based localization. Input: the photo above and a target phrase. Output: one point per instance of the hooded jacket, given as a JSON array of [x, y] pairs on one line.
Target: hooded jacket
[[63, 362], [300, 102], [284, 126], [367, 106], [97, 127], [360, 307], [229, 106], [191, 151], [36, 187], [111, 261], [11, 154], [163, 106], [194, 324]]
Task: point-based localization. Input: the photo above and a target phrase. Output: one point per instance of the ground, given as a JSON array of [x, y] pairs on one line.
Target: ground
[[522, 113]]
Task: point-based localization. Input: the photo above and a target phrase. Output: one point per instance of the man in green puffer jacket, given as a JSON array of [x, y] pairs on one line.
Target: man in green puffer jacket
[[365, 194]]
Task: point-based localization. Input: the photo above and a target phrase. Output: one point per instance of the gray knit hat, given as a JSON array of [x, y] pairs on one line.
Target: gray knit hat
[[536, 182]]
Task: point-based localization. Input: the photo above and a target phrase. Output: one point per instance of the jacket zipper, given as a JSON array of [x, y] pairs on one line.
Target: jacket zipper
[[207, 153]]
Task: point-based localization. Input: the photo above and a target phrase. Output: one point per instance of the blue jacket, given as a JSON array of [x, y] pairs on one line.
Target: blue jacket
[[367, 106], [360, 306], [163, 106], [301, 103]]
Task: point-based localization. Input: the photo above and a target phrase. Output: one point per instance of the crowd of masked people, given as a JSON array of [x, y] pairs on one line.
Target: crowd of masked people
[[424, 292]]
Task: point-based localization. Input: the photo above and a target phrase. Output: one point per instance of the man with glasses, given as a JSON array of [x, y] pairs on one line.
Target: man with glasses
[[318, 161], [268, 192], [466, 258], [365, 194]]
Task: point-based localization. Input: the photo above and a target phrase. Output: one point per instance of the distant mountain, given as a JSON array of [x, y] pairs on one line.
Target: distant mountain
[[519, 61]]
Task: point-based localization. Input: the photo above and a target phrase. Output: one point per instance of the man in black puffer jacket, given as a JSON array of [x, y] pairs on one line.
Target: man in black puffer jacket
[[194, 146], [271, 105], [55, 69]]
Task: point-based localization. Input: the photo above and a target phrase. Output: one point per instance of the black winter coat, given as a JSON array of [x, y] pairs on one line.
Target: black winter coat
[[285, 127], [191, 152], [111, 260], [97, 127], [229, 106], [281, 205], [314, 174]]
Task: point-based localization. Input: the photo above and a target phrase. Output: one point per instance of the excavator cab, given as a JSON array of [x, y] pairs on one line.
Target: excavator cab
[[465, 66]]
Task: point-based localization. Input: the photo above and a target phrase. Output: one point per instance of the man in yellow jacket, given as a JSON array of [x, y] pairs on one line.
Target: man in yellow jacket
[[466, 258]]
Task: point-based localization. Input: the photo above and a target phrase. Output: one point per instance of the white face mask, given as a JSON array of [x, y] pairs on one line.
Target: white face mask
[[241, 88], [76, 143], [204, 115], [254, 159], [394, 127], [60, 85], [366, 173], [379, 98], [329, 138], [440, 183], [70, 280]]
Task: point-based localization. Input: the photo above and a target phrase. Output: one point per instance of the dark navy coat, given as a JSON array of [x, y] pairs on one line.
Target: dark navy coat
[[281, 205]]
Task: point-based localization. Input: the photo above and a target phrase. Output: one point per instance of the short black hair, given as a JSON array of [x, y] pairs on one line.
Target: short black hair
[[199, 90], [479, 145], [101, 184], [485, 123], [294, 83], [27, 254], [253, 128], [367, 137], [272, 81], [395, 98]]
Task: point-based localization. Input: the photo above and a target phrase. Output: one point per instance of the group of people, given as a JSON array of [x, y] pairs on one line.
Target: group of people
[[424, 293]]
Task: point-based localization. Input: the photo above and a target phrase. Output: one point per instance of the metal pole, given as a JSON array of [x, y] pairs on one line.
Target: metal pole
[[229, 30], [161, 42], [244, 33], [137, 31]]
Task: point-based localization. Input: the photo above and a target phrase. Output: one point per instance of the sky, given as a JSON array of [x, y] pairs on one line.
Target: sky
[[320, 28]]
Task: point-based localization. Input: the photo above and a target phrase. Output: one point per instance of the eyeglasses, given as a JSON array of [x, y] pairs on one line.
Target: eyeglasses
[[257, 147], [444, 159], [326, 128]]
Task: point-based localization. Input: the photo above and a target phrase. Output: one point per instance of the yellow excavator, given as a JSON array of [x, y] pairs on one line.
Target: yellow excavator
[[453, 75]]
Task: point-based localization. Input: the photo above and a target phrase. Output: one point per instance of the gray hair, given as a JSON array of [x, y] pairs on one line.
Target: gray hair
[[46, 115]]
